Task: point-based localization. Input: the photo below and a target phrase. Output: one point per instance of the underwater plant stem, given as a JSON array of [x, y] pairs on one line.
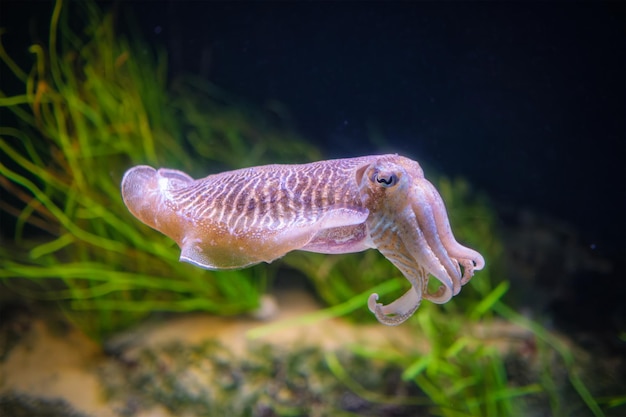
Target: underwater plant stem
[[80, 233], [54, 21], [4, 57]]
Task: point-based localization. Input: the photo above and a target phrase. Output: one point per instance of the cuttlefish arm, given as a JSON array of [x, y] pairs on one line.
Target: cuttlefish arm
[[239, 218], [409, 225]]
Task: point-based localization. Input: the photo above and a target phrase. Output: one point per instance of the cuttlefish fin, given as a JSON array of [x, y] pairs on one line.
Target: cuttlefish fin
[[240, 250], [196, 252]]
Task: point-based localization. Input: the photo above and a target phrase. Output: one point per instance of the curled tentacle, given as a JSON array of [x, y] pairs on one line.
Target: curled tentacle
[[469, 267], [441, 296], [454, 249], [398, 311]]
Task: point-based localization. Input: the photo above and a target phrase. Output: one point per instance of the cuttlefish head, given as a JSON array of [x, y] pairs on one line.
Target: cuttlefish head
[[409, 225]]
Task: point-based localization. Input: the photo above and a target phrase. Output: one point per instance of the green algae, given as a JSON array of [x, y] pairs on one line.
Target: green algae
[[93, 105]]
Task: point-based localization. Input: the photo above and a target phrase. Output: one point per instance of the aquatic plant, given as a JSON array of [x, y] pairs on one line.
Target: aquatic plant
[[93, 105]]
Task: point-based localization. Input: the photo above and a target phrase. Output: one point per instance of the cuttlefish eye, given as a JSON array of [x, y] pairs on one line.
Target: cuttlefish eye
[[386, 179]]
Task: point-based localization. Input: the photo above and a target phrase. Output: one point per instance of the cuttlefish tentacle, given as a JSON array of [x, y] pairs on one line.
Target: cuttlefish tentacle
[[239, 218], [440, 263], [468, 258], [398, 311], [426, 249]]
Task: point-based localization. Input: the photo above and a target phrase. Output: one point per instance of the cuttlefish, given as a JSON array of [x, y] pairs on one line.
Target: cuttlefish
[[239, 218]]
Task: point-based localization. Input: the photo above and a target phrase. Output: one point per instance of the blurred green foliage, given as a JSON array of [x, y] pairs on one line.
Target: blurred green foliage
[[93, 105]]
